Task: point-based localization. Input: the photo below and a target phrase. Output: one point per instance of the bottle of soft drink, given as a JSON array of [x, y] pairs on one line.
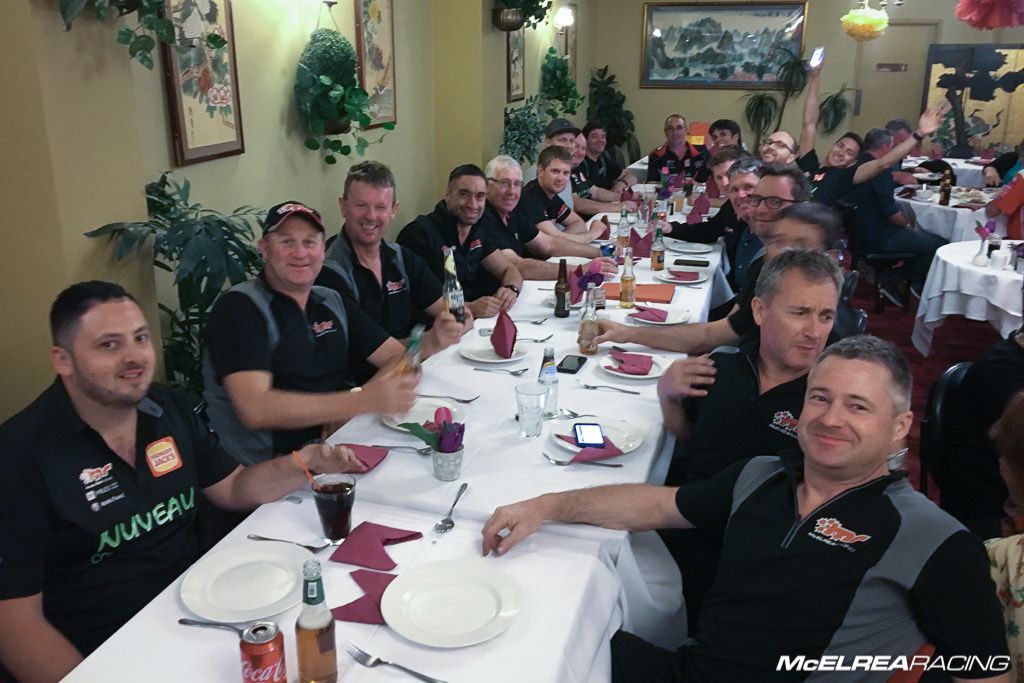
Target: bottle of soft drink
[[563, 293], [622, 232], [588, 324], [549, 378], [658, 246], [314, 630], [451, 293], [410, 360], [627, 283]]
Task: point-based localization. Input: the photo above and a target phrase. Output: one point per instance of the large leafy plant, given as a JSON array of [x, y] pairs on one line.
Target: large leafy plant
[[152, 26], [204, 249], [524, 131], [607, 106], [556, 87]]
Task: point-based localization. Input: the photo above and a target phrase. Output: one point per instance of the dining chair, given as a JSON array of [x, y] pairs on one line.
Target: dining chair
[[933, 456]]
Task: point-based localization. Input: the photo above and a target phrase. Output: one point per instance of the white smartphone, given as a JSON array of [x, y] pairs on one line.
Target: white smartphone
[[817, 57]]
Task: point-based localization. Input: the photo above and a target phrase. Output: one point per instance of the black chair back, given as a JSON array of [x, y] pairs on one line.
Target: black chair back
[[849, 286], [940, 400]]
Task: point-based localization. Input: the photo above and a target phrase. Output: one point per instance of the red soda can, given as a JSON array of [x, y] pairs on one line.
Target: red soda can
[[262, 648]]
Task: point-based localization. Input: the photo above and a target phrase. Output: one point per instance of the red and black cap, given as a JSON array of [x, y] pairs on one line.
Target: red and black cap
[[281, 212]]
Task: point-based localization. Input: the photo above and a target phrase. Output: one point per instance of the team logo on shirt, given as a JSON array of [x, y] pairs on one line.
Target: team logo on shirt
[[831, 531], [93, 475], [162, 456], [784, 421], [818, 177], [395, 286], [320, 329], [475, 244]]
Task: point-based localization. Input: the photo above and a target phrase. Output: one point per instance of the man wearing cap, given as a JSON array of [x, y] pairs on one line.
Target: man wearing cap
[[278, 350], [541, 202], [677, 155]]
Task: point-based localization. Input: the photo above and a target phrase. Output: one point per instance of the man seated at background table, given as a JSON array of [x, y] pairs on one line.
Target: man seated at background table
[[517, 238], [739, 404], [560, 133], [1010, 202], [883, 226], [278, 350], [599, 166], [542, 205], [821, 546], [724, 133], [724, 221], [390, 283], [1001, 170], [677, 155], [589, 199], [901, 129], [490, 282], [100, 475]]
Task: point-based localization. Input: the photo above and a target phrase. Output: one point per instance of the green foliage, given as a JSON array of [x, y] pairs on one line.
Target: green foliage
[[524, 131], [534, 11], [760, 110], [607, 106], [556, 87], [832, 110], [151, 27], [330, 102], [418, 430], [205, 249]]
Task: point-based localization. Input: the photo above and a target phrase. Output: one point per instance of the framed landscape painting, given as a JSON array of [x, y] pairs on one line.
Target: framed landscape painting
[[375, 44], [718, 45], [202, 82]]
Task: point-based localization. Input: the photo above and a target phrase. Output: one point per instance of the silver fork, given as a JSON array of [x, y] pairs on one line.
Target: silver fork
[[609, 387], [370, 661], [572, 414], [487, 332], [515, 373], [310, 548], [564, 463], [453, 398], [532, 322], [422, 451]]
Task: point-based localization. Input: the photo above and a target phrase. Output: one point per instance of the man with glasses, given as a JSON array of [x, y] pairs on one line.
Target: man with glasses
[[678, 155]]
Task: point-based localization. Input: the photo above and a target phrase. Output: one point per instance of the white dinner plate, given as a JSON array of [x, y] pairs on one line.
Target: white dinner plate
[[422, 411], [687, 247], [624, 435], [245, 582], [453, 603], [928, 176], [484, 353], [675, 316], [658, 368], [666, 276]]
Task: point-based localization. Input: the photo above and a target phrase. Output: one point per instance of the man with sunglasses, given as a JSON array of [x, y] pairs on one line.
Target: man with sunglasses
[[678, 155]]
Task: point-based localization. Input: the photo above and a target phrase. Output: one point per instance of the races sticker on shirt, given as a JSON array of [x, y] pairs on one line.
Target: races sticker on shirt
[[475, 244], [784, 421], [320, 329], [831, 531], [101, 489], [395, 286], [162, 456]]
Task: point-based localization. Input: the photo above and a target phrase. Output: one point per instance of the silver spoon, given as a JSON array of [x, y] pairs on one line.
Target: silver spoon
[[572, 414], [564, 463], [515, 373], [212, 624], [446, 524], [310, 548]]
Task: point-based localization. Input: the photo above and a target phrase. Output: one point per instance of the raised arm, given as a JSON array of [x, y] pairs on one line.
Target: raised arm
[[685, 378], [692, 338], [929, 122], [809, 129]]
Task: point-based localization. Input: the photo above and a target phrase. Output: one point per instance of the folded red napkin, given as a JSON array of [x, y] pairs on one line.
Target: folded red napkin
[[607, 229], [647, 313], [632, 363], [701, 205], [609, 450], [684, 275], [987, 154], [365, 610], [503, 338], [627, 195], [577, 288], [370, 456], [694, 217], [935, 152], [713, 191], [641, 245], [365, 545], [655, 294]]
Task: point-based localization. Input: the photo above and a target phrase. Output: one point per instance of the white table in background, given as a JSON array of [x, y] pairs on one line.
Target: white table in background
[[950, 223], [569, 609], [957, 287], [968, 172]]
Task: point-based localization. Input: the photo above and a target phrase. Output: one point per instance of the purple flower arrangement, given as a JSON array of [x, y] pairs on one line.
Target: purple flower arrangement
[[442, 433]]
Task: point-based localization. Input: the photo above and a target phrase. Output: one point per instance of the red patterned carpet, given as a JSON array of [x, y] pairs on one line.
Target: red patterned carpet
[[957, 340]]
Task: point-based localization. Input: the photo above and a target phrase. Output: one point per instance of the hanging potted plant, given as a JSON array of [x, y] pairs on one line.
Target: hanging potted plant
[[510, 15]]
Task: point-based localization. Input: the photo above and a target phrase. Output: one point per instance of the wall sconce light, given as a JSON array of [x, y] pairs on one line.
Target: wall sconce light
[[564, 18]]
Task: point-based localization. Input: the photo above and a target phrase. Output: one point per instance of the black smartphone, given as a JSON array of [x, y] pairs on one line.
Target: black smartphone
[[692, 262], [589, 434], [571, 364]]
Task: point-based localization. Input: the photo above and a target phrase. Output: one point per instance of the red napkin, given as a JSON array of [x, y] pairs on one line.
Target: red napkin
[[576, 291], [370, 456], [632, 363], [647, 313], [684, 275], [365, 545], [641, 245], [935, 152], [655, 294], [503, 338], [987, 154], [607, 229], [701, 205], [365, 610], [627, 195], [713, 191], [609, 450]]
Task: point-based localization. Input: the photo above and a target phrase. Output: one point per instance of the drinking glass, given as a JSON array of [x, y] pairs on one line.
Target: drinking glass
[[334, 495], [531, 399]]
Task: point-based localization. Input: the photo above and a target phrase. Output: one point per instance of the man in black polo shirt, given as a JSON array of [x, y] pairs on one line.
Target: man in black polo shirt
[[390, 283], [490, 282], [677, 155], [599, 166], [519, 239], [278, 349], [543, 208], [589, 199], [827, 554], [100, 477]]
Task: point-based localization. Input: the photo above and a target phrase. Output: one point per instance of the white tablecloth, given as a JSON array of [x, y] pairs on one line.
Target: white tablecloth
[[957, 287], [569, 609], [949, 223], [967, 174]]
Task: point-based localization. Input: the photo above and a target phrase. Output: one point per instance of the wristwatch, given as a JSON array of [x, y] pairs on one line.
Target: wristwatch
[[917, 136], [513, 288]]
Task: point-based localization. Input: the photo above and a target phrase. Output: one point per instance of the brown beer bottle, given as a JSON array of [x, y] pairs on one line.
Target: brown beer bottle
[[563, 294], [945, 187], [314, 630]]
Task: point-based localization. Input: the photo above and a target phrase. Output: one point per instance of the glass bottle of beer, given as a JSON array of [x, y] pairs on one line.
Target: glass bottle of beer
[[622, 232], [563, 294], [451, 292], [658, 246], [627, 283], [588, 324], [314, 630], [945, 187]]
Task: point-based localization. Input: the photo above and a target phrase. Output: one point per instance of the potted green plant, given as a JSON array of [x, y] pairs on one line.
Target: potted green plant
[[607, 106], [510, 15], [524, 131], [205, 249], [328, 97], [832, 110], [557, 87]]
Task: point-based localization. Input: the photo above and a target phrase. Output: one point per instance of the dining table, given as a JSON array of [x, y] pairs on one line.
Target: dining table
[[577, 583], [968, 171], [957, 221], [956, 286]]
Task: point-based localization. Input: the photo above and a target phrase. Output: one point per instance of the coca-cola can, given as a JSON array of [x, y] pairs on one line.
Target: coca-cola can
[[262, 648]]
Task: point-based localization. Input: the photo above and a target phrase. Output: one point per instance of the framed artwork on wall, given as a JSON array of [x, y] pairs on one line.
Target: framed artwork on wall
[[202, 82], [515, 65], [719, 45], [375, 45]]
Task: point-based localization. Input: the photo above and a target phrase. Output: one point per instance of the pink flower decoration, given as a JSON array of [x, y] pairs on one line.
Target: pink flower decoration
[[987, 14]]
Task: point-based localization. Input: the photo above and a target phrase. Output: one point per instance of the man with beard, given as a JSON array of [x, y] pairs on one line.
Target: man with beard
[[100, 477]]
